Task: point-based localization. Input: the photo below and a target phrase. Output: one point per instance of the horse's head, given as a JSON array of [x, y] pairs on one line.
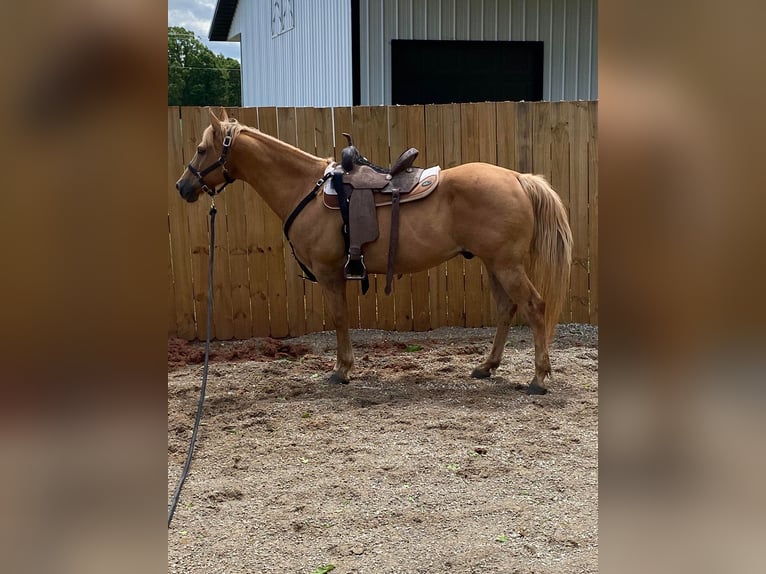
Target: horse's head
[[207, 169]]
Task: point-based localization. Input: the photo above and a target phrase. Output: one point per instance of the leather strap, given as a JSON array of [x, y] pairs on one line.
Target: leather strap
[[291, 218], [200, 175], [394, 239], [340, 189]]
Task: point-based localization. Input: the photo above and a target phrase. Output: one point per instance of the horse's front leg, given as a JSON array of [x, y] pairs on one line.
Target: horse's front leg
[[335, 296]]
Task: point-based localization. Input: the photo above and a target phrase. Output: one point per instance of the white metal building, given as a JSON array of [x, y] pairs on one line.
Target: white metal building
[[362, 52]]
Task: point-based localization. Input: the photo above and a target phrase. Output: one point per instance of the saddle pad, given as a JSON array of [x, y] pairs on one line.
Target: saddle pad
[[429, 179]]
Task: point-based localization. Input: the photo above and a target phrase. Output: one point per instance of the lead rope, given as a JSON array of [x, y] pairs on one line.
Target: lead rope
[[187, 464]]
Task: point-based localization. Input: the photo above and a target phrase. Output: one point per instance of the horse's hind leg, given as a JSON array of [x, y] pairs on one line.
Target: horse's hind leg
[[532, 307], [505, 311]]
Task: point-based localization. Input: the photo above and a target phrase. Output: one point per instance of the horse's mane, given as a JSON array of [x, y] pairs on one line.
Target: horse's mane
[[254, 132]]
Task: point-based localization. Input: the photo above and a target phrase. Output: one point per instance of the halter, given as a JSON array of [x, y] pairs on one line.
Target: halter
[[220, 163]]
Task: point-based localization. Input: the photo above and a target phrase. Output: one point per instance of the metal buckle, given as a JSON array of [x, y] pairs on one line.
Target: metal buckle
[[348, 274], [226, 140]]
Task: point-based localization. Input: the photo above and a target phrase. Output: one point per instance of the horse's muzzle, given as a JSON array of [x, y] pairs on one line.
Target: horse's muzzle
[[187, 190]]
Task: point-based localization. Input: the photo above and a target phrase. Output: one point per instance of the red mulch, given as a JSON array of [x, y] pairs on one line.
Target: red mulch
[[182, 352]]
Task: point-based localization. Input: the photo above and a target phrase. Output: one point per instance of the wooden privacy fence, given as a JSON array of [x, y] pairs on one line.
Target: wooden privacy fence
[[257, 290]]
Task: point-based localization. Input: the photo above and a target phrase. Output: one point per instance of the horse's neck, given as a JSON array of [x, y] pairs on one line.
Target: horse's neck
[[281, 174]]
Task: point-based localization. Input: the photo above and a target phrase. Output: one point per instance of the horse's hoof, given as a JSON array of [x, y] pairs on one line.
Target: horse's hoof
[[337, 379], [479, 373], [534, 389]]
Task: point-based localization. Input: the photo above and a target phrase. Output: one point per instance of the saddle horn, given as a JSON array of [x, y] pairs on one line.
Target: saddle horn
[[349, 154]]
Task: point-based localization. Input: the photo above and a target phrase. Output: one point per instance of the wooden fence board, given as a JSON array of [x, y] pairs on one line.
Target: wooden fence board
[[524, 143], [325, 148], [273, 246], [178, 227], [416, 137], [296, 302], [173, 170], [560, 173], [324, 138], [194, 121], [398, 120], [244, 217], [307, 120], [437, 276], [593, 212], [238, 269], [541, 139], [223, 306], [506, 135], [260, 248], [236, 212], [578, 212], [239, 265]]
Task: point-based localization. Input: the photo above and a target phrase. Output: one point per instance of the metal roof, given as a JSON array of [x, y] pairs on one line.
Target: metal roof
[[224, 14]]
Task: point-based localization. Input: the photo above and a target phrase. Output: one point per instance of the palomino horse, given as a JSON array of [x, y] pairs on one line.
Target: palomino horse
[[513, 222]]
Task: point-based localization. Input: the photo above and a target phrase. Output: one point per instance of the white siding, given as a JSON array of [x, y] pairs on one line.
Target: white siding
[[568, 29], [311, 65], [307, 66]]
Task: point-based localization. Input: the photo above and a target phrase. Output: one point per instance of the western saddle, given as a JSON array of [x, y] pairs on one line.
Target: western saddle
[[361, 187]]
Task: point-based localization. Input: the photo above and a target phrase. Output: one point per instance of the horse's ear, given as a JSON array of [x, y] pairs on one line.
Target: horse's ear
[[214, 121], [224, 115]]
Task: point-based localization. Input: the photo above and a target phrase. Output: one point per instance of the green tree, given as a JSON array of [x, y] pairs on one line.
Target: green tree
[[233, 80], [197, 76]]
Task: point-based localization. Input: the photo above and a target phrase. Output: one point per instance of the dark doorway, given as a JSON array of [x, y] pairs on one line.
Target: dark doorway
[[455, 71]]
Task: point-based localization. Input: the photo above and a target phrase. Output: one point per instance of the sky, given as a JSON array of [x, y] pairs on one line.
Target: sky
[[197, 15]]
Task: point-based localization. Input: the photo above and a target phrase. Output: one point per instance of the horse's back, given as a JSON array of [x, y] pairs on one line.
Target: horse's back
[[484, 183], [482, 176]]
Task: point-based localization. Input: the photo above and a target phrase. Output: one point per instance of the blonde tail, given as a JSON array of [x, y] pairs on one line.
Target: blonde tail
[[551, 252]]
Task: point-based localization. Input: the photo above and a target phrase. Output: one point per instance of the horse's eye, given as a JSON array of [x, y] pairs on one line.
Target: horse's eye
[[201, 150]]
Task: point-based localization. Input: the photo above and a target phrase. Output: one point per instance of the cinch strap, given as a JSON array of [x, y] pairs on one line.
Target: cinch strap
[[291, 218]]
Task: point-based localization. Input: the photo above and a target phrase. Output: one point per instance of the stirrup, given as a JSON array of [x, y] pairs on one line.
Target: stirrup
[[355, 269]]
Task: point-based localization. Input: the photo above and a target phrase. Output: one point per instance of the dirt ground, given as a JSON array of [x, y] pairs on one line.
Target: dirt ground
[[414, 467]]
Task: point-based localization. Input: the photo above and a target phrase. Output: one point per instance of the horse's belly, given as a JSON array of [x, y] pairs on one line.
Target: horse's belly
[[417, 250]]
